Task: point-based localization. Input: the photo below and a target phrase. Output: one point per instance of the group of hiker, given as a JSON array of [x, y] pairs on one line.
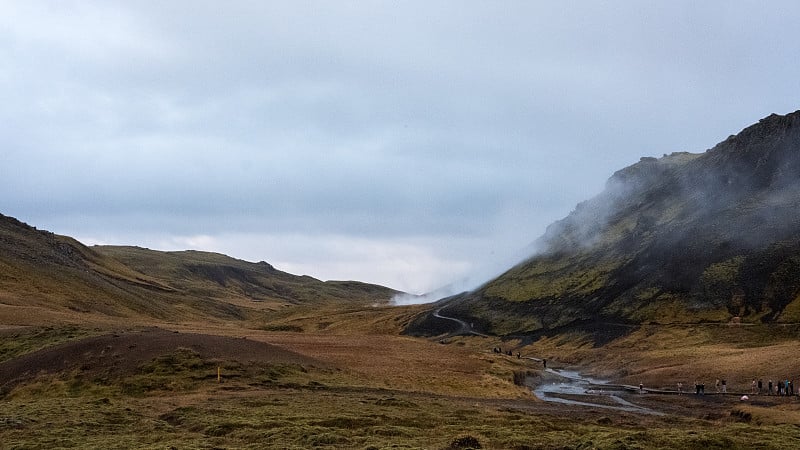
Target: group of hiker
[[721, 387], [781, 387], [508, 352]]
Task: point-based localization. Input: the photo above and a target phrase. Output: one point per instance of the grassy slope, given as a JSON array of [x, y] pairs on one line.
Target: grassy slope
[[682, 239], [58, 277], [51, 279]]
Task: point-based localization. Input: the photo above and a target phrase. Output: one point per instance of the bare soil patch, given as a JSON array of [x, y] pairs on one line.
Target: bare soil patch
[[122, 353]]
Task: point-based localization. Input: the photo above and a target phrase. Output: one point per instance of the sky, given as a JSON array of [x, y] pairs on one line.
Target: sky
[[413, 144]]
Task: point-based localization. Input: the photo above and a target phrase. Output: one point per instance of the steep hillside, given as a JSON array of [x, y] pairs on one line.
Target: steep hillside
[[43, 271], [682, 238], [48, 278]]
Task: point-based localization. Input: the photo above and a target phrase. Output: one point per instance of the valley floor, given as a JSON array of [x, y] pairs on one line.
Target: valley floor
[[226, 387]]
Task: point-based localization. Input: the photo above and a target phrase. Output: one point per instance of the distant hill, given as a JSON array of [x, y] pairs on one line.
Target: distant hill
[[682, 238], [213, 275], [45, 278]]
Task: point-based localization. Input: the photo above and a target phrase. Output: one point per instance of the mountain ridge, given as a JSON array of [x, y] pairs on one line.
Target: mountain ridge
[[57, 277], [682, 238]]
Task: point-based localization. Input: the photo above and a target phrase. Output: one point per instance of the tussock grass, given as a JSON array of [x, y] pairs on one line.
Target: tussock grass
[[304, 421], [19, 341]]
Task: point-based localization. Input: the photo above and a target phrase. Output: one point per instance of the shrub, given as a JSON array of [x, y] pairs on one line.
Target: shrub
[[465, 442]]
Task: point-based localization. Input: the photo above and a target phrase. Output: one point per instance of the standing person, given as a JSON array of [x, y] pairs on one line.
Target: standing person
[[641, 388], [753, 386], [696, 388], [760, 386], [716, 385], [724, 386], [769, 387], [680, 388]]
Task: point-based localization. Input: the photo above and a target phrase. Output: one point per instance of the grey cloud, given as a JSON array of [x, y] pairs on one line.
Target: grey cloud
[[386, 120]]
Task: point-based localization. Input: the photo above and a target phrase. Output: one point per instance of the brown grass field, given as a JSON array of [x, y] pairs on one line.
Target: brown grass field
[[346, 378]]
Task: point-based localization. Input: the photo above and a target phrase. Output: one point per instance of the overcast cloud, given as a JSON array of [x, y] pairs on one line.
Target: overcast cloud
[[411, 144]]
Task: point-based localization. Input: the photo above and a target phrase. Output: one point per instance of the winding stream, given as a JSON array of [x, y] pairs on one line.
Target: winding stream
[[596, 393], [559, 385]]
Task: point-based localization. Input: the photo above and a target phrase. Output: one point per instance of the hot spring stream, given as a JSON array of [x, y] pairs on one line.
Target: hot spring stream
[[562, 386]]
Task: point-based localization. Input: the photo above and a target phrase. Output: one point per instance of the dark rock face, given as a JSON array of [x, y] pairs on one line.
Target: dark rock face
[[681, 238]]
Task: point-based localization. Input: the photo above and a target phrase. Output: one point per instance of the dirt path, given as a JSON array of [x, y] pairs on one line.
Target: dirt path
[[465, 328]]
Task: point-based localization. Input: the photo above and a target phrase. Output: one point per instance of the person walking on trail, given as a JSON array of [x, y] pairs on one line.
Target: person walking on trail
[[753, 386], [680, 388], [544, 363], [641, 388], [724, 386], [769, 387], [760, 386], [716, 385]]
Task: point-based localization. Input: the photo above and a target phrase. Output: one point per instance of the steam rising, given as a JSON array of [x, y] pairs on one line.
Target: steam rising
[[747, 183], [476, 279]]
